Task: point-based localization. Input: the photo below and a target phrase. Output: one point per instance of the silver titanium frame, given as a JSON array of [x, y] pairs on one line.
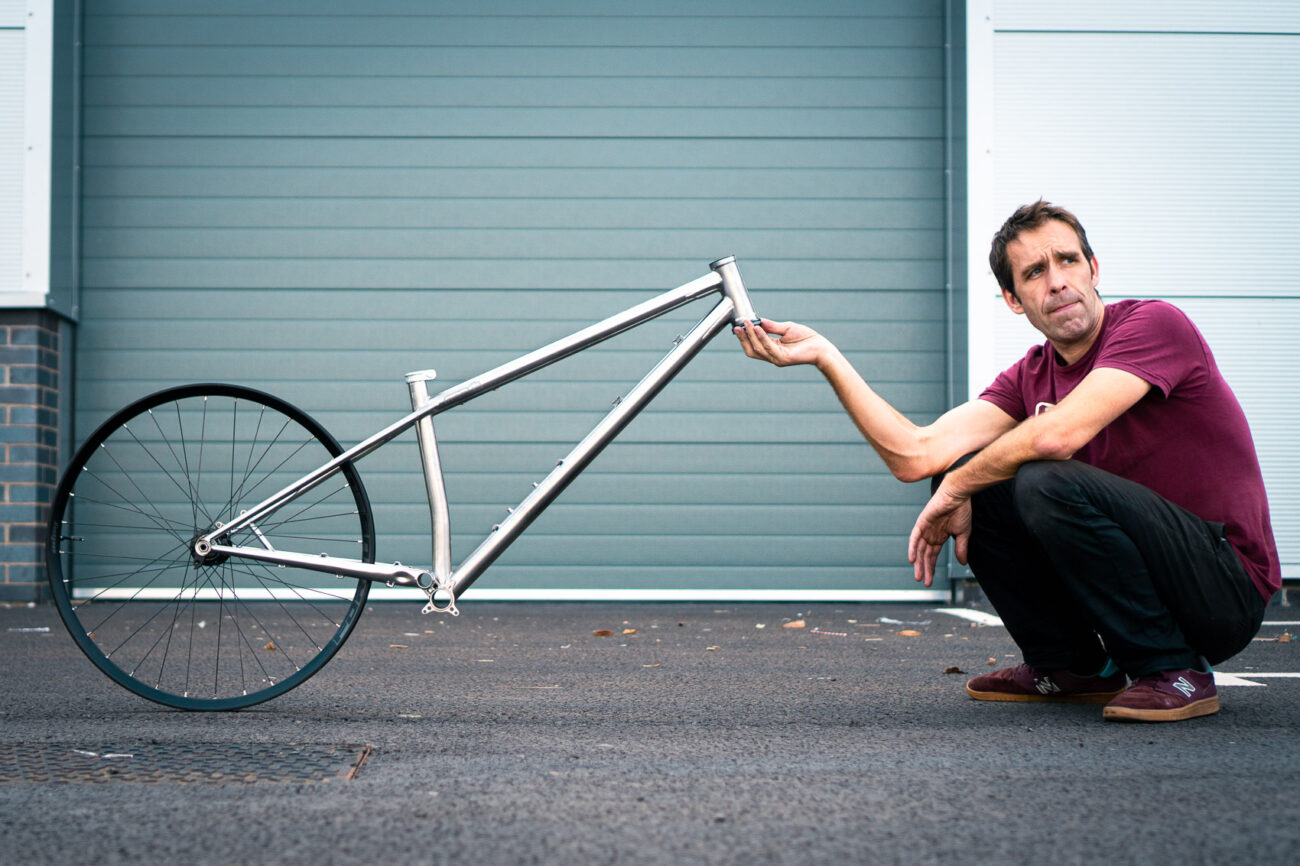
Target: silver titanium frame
[[441, 583]]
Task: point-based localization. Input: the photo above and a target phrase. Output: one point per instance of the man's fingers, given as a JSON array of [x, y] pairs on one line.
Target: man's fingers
[[960, 545], [923, 564], [756, 343], [749, 341]]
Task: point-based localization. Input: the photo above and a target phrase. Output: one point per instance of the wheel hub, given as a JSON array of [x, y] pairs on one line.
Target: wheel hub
[[203, 554]]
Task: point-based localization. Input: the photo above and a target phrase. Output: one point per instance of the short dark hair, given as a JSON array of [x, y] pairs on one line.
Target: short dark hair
[[1026, 218]]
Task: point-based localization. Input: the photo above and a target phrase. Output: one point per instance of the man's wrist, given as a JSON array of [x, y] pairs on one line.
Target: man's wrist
[[829, 360], [952, 488]]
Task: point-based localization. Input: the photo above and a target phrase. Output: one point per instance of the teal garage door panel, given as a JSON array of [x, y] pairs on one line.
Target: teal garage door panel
[[315, 198]]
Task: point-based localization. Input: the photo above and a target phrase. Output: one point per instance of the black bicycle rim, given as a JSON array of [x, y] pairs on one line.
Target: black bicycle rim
[[214, 633]]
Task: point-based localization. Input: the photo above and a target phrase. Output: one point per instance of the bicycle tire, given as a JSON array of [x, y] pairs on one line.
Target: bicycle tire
[[214, 634]]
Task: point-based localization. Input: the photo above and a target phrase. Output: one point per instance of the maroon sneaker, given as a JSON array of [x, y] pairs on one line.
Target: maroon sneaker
[[1166, 696], [1023, 683]]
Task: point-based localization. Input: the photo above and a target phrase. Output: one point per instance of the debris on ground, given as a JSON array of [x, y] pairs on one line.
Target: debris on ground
[[798, 623]]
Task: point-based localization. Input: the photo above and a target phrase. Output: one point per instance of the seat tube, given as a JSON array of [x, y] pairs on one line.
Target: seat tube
[[439, 513]]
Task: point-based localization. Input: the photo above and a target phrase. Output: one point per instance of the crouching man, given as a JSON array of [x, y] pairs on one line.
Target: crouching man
[[1104, 490]]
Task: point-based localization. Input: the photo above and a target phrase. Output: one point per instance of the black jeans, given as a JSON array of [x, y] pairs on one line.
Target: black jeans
[[1068, 554]]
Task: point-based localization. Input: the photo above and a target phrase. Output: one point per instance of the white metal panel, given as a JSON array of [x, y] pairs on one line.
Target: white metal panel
[[13, 13], [1164, 16], [1177, 150], [1251, 340], [38, 108], [12, 77], [1178, 153]]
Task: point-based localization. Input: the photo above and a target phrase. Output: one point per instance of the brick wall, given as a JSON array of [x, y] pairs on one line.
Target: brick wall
[[29, 439]]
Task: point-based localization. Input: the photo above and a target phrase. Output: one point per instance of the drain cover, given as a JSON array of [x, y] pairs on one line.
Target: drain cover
[[180, 763]]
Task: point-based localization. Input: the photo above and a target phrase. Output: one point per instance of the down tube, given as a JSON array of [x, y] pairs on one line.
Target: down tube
[[586, 450]]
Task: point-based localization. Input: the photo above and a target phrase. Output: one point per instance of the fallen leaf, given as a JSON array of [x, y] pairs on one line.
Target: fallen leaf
[[712, 648], [760, 625], [602, 632], [953, 670], [992, 660], [798, 623], [391, 646], [270, 645], [629, 631], [910, 632]]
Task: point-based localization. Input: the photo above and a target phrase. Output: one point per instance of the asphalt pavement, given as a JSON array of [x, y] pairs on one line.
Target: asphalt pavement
[[689, 733]]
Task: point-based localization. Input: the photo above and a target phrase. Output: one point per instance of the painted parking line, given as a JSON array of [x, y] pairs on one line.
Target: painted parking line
[[976, 616], [1248, 679], [1220, 677], [983, 618]]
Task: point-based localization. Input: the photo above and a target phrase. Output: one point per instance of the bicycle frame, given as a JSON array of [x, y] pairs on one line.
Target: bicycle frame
[[441, 583]]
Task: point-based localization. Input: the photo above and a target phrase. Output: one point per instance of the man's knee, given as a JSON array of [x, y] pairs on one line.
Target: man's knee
[[1041, 487]]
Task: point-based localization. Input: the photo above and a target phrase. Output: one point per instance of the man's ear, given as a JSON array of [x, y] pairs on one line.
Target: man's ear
[[1096, 271], [1013, 302]]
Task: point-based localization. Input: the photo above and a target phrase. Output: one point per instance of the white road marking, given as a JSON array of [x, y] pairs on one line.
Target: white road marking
[[977, 616], [990, 619], [1247, 679], [1222, 679]]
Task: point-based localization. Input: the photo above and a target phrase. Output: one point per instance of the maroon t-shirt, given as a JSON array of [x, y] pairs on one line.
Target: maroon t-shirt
[[1187, 439]]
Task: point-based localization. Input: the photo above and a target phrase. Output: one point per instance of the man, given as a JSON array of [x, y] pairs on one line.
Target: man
[[1110, 502]]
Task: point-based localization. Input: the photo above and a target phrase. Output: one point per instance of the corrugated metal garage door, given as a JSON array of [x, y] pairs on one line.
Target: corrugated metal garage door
[[315, 197]]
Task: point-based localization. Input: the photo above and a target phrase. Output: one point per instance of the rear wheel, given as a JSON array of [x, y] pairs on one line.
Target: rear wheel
[[211, 633]]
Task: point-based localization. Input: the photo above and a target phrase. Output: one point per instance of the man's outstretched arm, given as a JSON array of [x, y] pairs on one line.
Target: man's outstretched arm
[[911, 452]]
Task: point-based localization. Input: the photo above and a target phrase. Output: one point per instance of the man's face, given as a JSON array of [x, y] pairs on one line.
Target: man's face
[[1056, 287]]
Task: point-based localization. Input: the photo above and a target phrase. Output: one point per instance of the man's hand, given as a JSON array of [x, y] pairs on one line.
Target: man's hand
[[944, 516], [796, 344]]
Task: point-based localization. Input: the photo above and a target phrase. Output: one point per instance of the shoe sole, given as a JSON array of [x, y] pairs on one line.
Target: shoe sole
[[1204, 707], [1021, 698]]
